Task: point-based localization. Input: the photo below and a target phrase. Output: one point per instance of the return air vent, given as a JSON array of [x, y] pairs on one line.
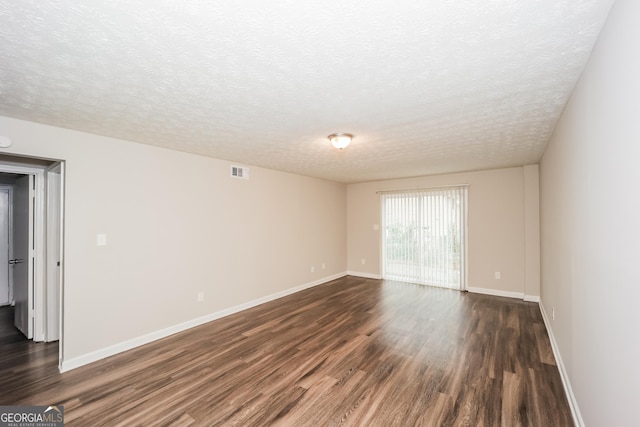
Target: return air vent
[[239, 172]]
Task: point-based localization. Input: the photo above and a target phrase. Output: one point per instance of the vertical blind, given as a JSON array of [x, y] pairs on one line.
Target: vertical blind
[[424, 236]]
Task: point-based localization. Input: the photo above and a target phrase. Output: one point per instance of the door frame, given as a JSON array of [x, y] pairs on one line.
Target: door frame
[[54, 249]]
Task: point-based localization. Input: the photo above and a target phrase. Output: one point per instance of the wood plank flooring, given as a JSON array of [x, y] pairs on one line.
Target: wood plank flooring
[[352, 352]]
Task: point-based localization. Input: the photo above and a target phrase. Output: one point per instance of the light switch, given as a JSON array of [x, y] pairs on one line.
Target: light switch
[[101, 240], [376, 227]]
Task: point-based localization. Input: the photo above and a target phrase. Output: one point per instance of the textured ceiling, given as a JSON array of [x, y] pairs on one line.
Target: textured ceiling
[[426, 86]]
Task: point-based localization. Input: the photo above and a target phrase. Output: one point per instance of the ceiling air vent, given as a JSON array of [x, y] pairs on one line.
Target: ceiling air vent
[[239, 172]]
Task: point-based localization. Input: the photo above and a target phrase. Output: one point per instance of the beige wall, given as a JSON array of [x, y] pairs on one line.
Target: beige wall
[[496, 225], [590, 221], [177, 224]]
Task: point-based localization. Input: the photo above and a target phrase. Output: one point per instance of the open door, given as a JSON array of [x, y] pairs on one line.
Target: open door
[[22, 263]]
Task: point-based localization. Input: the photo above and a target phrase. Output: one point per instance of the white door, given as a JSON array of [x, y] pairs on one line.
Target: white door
[[22, 262], [4, 247]]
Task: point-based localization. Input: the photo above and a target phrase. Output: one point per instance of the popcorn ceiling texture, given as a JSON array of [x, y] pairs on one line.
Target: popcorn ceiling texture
[[426, 86]]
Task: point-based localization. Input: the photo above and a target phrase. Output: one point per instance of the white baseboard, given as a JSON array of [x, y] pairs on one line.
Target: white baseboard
[[573, 403], [496, 293], [507, 294], [94, 356], [365, 275]]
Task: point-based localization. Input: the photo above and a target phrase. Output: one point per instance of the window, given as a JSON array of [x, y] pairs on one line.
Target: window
[[424, 236]]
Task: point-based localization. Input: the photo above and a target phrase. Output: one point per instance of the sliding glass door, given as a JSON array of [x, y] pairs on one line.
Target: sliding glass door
[[424, 236]]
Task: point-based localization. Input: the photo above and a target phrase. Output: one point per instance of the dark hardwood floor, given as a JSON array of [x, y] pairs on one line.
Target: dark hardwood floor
[[354, 352]]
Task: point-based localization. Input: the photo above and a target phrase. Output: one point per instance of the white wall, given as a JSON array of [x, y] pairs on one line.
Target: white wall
[[590, 221], [497, 227], [177, 224]]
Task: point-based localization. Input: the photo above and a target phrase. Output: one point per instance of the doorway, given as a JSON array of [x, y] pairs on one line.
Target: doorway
[[33, 191], [424, 236]]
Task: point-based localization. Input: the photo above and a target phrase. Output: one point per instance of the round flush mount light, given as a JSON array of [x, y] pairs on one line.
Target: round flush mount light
[[340, 140], [5, 142]]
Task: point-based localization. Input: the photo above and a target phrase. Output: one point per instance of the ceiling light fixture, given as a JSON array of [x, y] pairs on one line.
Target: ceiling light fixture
[[340, 140]]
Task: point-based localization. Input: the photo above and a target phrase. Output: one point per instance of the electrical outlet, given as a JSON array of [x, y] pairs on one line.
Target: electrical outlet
[[313, 269], [200, 296], [498, 275], [324, 266], [363, 261]]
